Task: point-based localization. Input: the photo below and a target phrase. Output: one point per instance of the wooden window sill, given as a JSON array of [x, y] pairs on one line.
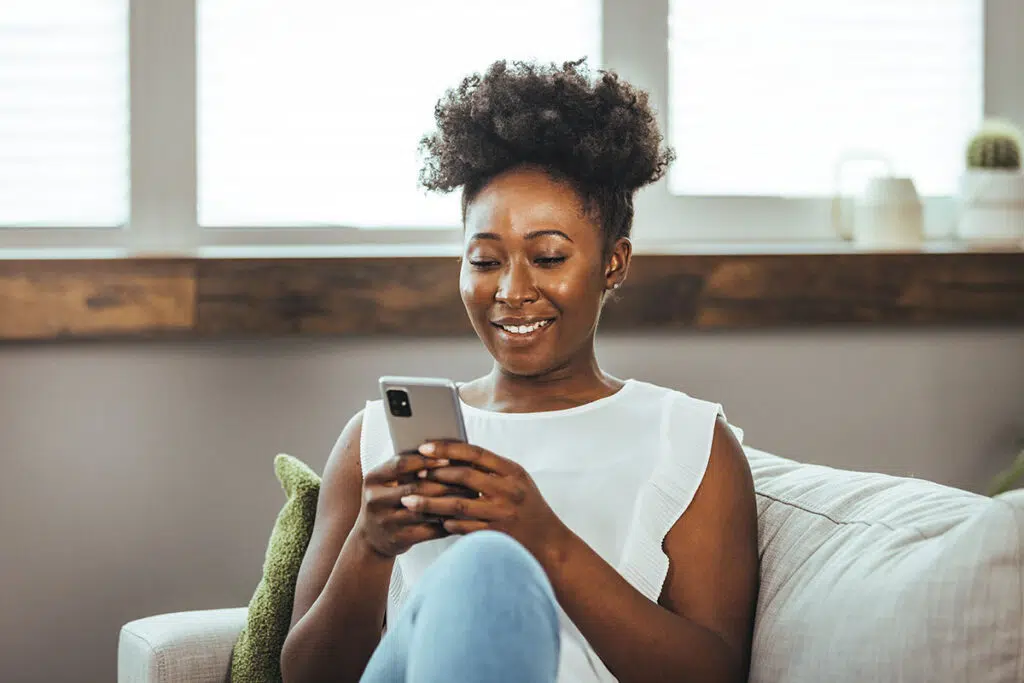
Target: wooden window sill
[[262, 296]]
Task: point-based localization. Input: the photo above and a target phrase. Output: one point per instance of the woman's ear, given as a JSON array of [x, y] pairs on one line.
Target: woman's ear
[[617, 266]]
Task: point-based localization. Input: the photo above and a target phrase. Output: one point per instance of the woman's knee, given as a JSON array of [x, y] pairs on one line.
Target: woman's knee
[[485, 605], [495, 560], [494, 546], [495, 551]]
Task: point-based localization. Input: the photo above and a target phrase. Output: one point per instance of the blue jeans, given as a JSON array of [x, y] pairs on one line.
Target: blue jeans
[[484, 611]]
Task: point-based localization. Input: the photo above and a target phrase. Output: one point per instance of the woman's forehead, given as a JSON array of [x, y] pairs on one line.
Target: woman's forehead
[[523, 200]]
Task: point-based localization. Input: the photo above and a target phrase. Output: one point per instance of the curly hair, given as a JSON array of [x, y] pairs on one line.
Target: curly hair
[[598, 134]]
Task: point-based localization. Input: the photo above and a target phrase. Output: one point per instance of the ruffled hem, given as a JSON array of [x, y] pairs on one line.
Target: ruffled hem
[[687, 432], [372, 436], [374, 448]]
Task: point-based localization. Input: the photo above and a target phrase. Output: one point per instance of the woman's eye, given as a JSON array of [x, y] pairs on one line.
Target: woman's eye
[[550, 260], [483, 263]]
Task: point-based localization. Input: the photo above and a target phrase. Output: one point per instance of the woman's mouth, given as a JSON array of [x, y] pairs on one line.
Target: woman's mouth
[[522, 332]]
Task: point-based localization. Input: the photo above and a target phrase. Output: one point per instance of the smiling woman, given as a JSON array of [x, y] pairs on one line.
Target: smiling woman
[[547, 204], [533, 278], [626, 544]]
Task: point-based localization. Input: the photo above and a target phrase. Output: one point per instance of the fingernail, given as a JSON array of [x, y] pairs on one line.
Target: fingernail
[[427, 449], [443, 462], [410, 501], [422, 474]]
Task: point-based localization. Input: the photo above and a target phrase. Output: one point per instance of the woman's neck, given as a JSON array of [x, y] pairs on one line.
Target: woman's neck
[[574, 384]]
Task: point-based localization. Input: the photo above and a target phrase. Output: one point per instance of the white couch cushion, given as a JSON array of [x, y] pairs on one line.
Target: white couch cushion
[[868, 577]]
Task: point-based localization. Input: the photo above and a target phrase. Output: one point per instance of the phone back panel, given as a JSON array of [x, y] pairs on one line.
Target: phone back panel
[[436, 412]]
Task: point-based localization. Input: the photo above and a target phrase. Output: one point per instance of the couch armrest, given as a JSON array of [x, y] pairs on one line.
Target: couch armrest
[[183, 647]]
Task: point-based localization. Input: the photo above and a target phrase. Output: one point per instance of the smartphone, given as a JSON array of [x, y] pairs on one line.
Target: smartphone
[[421, 409]]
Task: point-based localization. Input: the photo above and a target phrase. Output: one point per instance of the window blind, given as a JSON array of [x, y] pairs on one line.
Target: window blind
[[64, 113], [766, 97], [310, 112]]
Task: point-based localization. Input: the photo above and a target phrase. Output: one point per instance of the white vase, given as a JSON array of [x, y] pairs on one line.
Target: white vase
[[889, 215], [991, 207]]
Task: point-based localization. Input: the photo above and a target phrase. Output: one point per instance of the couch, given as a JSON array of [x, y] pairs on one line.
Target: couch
[[864, 577]]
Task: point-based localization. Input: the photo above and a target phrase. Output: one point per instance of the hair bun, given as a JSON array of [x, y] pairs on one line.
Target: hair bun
[[596, 130]]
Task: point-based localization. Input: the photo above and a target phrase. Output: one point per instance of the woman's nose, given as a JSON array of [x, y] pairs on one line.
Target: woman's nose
[[516, 286]]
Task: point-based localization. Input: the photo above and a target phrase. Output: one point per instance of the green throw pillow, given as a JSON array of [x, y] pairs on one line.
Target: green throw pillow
[[257, 654]]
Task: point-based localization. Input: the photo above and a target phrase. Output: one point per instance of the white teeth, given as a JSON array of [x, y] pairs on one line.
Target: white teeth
[[525, 329]]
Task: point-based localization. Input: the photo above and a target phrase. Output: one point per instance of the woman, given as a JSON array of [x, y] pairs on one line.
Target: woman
[[573, 559]]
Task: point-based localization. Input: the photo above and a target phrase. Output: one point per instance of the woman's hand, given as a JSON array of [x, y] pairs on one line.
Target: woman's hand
[[508, 501], [383, 523]]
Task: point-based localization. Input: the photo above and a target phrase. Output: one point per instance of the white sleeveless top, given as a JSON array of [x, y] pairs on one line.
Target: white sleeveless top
[[618, 471]]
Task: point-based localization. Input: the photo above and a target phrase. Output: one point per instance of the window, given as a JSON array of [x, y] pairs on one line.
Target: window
[[63, 113], [310, 112], [767, 97], [183, 126]]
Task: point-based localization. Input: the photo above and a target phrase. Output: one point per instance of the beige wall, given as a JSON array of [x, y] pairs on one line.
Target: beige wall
[[137, 477]]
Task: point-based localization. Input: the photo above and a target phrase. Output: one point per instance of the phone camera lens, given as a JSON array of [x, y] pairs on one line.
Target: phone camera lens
[[398, 402]]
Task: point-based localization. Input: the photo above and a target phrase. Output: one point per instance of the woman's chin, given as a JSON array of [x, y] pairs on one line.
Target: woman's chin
[[521, 367], [522, 363], [530, 355]]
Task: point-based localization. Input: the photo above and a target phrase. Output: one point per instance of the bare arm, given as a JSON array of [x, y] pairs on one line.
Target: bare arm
[[701, 630], [341, 592]]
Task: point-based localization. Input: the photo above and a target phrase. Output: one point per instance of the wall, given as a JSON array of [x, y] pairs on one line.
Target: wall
[[137, 477]]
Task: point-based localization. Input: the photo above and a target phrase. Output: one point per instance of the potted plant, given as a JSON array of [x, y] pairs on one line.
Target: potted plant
[[992, 191]]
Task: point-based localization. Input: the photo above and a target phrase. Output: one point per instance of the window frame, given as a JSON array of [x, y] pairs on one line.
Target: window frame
[[163, 168]]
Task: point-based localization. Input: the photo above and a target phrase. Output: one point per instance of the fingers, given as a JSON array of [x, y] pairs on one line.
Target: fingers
[[395, 530], [380, 496], [476, 509], [397, 519], [409, 536], [464, 526], [469, 478], [480, 458], [403, 465]]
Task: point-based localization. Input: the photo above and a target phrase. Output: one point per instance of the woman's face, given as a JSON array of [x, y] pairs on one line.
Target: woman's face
[[533, 274]]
